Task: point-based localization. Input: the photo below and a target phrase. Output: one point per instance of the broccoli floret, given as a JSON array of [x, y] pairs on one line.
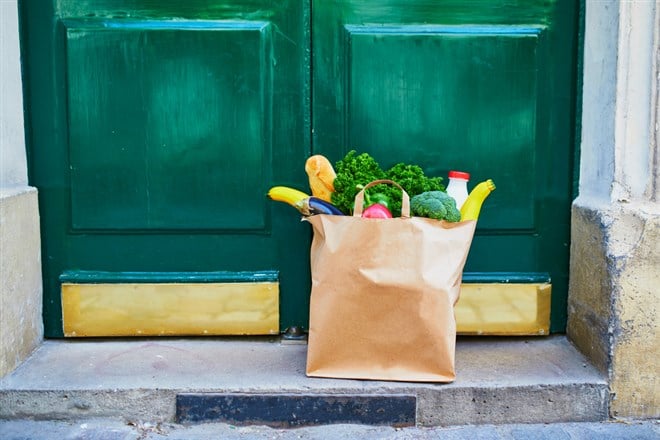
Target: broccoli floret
[[435, 204]]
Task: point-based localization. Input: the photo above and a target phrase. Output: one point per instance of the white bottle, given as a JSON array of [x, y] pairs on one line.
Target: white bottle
[[457, 187]]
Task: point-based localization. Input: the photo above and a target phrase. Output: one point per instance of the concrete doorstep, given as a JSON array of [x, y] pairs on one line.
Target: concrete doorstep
[[263, 382]]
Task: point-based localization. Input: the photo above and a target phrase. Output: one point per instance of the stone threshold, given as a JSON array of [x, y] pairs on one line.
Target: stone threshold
[[499, 381]]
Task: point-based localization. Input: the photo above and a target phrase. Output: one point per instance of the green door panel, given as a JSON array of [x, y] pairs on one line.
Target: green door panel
[[155, 129], [450, 91], [480, 86], [178, 114]]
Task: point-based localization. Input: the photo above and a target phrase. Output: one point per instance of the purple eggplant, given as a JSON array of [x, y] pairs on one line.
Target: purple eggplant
[[313, 206]]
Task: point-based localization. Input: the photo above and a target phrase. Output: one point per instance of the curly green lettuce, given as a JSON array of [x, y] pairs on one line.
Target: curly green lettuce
[[413, 180], [354, 171]]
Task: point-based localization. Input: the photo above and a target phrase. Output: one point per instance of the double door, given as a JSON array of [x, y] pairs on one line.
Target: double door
[[157, 127]]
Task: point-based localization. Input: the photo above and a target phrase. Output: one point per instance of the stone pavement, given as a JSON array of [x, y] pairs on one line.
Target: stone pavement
[[499, 381], [114, 429]]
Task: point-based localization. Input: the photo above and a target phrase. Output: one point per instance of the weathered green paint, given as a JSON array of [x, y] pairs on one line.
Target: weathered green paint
[[155, 131], [95, 277], [480, 86]]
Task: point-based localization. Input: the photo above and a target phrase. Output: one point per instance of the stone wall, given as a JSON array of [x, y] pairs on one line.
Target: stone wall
[[21, 324], [613, 300], [21, 328], [615, 236]]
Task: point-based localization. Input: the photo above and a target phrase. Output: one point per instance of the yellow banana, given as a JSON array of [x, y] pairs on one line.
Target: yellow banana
[[472, 206], [287, 195]]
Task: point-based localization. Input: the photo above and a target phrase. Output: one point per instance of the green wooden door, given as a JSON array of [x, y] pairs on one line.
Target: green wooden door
[[155, 131], [156, 127], [484, 86]]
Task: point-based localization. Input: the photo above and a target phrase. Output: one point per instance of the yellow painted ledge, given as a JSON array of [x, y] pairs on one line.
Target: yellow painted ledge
[[178, 309], [504, 309]]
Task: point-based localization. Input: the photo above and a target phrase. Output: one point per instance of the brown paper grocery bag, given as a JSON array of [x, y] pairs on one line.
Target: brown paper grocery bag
[[383, 295]]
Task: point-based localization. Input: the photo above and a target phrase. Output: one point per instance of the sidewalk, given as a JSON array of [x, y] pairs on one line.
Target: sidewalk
[[112, 429]]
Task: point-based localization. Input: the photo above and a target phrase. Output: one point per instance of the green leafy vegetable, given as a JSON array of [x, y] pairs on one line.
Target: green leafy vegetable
[[353, 172], [435, 204], [356, 170], [413, 180]]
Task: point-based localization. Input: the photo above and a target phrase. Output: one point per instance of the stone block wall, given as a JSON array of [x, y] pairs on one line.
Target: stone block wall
[[613, 301], [21, 323], [614, 286]]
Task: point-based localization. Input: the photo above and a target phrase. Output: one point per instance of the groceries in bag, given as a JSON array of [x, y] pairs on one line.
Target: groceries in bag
[[333, 192]]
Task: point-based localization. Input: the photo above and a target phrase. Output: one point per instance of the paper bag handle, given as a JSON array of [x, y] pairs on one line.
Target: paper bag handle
[[359, 198]]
